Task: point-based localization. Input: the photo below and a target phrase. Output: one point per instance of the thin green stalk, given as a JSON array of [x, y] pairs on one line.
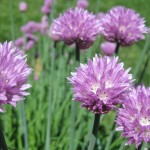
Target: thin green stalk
[[109, 140], [77, 53], [140, 147], [74, 107], [68, 3], [12, 19], [24, 124], [144, 146], [3, 145], [141, 57], [117, 48], [94, 132], [144, 69], [97, 5], [48, 129]]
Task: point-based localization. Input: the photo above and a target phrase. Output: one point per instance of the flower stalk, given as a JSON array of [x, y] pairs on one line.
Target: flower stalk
[[74, 107], [3, 145], [94, 132], [117, 48]]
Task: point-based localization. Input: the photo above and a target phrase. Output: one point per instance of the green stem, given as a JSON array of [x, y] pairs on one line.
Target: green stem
[[117, 48], [24, 124], [77, 53], [144, 69], [141, 57], [3, 145], [48, 130], [94, 132], [12, 20], [74, 108], [140, 147]]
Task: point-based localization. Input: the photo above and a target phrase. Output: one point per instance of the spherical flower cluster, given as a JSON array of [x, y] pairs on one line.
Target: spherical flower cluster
[[123, 25], [31, 27], [46, 8], [108, 48], [134, 118], [76, 26], [82, 4], [23, 6], [14, 73], [101, 84]]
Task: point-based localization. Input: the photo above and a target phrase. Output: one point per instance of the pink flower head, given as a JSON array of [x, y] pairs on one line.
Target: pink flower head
[[31, 27], [134, 118], [31, 37], [29, 45], [30, 41], [108, 48], [123, 25], [14, 73], [82, 4], [23, 6], [100, 84], [46, 8], [76, 26], [19, 42], [44, 25]]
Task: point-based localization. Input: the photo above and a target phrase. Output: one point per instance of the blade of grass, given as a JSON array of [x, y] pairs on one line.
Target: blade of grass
[[24, 124], [12, 19], [141, 57]]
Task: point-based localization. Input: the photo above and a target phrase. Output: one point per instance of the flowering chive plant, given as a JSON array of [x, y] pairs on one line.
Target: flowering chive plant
[[123, 25], [101, 84], [134, 118], [76, 26], [14, 73]]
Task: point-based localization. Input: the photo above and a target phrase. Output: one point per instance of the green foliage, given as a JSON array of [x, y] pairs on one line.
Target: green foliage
[[45, 116]]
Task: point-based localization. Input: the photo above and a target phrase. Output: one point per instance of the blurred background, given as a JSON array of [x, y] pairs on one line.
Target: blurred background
[[43, 119]]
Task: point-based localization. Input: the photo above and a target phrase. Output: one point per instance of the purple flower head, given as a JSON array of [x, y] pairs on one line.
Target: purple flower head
[[44, 25], [31, 37], [108, 48], [23, 6], [29, 44], [134, 118], [46, 8], [76, 26], [100, 84], [123, 25], [31, 27], [19, 42], [30, 41], [14, 73], [48, 3], [82, 4]]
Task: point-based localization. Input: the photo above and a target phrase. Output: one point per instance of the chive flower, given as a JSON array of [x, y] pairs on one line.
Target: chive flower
[[14, 73], [76, 26], [133, 119], [123, 25], [100, 84]]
